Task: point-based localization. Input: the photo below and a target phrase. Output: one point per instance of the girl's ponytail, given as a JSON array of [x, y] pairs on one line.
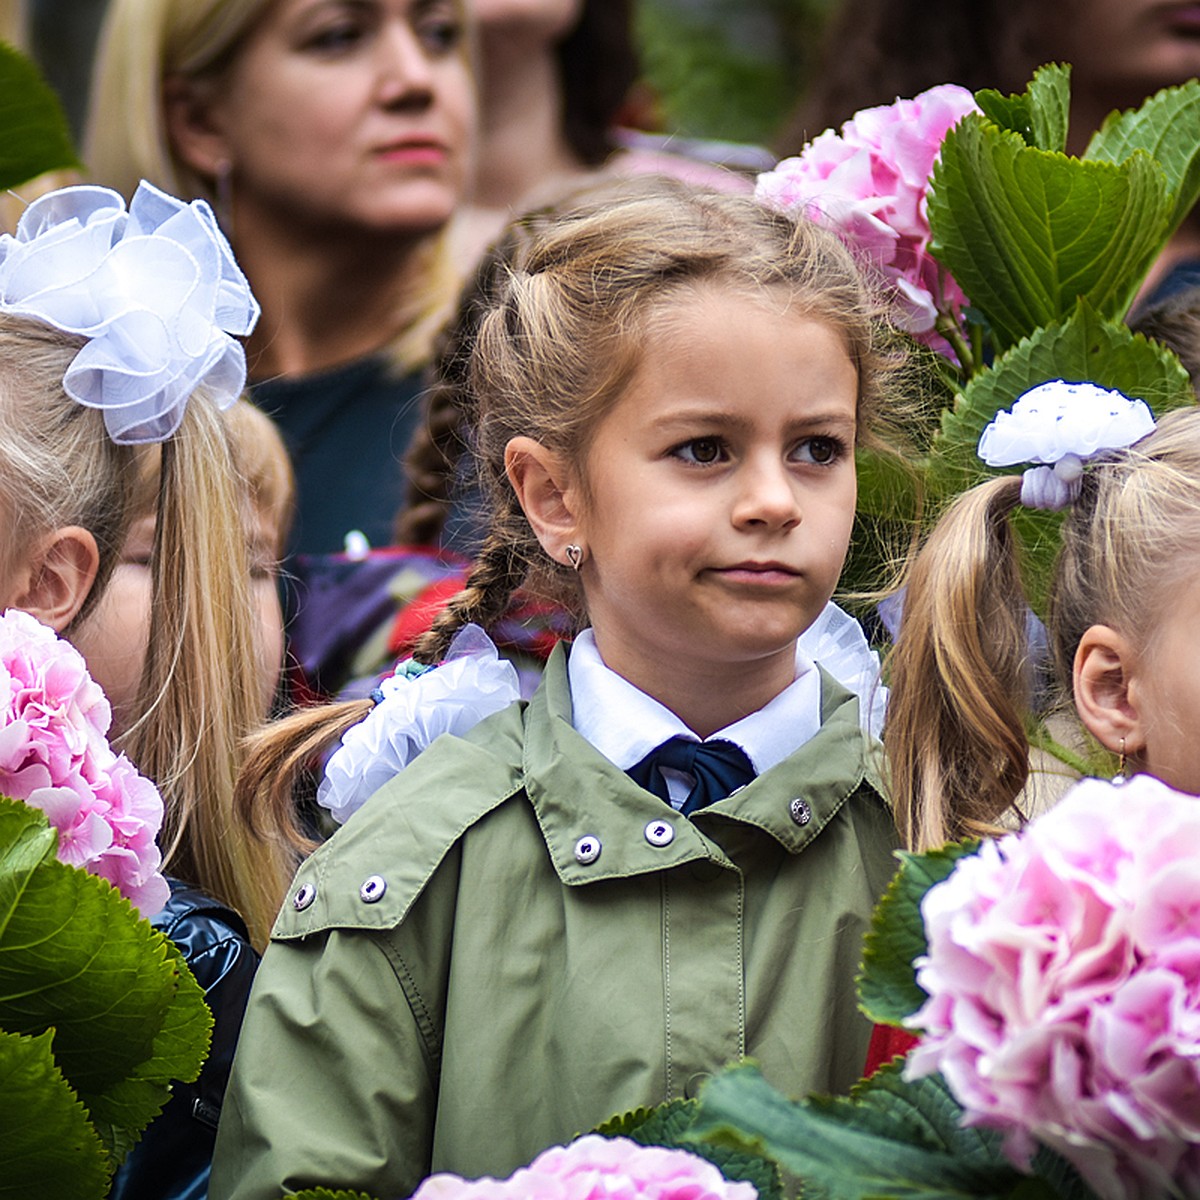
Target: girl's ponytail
[[956, 738], [199, 695]]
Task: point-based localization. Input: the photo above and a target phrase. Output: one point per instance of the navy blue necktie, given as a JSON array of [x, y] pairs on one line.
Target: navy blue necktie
[[719, 768]]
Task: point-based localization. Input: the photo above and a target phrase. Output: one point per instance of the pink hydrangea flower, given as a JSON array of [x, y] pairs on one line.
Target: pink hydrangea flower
[[598, 1168], [54, 755], [1063, 978], [869, 183]]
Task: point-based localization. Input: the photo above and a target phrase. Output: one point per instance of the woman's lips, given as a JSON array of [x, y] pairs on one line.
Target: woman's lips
[[415, 152]]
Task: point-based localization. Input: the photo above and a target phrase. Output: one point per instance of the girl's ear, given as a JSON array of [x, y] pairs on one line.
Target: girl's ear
[[193, 128], [1106, 692], [546, 492], [59, 576]]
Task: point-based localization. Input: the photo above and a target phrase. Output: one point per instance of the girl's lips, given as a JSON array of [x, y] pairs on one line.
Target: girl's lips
[[759, 573]]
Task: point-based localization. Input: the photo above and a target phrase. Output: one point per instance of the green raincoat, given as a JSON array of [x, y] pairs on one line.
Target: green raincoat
[[458, 980]]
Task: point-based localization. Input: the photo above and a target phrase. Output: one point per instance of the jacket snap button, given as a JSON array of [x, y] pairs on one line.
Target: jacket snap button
[[372, 889], [660, 833], [587, 849], [304, 897], [801, 813]]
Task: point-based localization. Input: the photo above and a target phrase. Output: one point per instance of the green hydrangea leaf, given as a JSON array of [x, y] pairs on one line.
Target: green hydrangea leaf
[[1027, 232], [663, 1125], [36, 138], [326, 1194], [1165, 127], [1039, 114], [49, 1149], [26, 840], [890, 1139], [670, 1124], [887, 987], [74, 956]]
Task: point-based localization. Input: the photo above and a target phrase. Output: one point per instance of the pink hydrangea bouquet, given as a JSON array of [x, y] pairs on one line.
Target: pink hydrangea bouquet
[[869, 183], [1063, 976], [598, 1168], [54, 755], [1053, 978]]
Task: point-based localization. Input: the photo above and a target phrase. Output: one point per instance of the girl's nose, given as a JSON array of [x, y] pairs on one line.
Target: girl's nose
[[768, 496], [406, 72]]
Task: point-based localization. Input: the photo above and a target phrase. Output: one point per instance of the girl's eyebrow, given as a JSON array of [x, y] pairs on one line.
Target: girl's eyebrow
[[721, 419]]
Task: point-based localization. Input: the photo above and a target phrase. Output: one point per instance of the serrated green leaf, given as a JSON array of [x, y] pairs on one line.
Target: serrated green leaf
[[851, 1149], [669, 1124], [1165, 127], [662, 1125], [49, 1150], [326, 1194], [1007, 112], [36, 138], [887, 987], [1027, 232], [1039, 114], [1050, 106], [74, 956], [26, 840]]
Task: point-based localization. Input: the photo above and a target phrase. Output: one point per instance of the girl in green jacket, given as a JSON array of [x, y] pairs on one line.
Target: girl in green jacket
[[666, 860]]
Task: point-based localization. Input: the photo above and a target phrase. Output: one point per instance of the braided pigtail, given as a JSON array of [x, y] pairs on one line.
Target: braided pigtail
[[955, 731]]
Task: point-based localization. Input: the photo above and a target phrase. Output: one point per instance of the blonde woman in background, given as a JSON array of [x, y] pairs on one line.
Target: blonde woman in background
[[334, 141]]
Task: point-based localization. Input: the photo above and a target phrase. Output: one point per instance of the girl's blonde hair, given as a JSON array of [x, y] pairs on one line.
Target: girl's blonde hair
[[548, 339], [961, 680], [145, 43], [198, 697]]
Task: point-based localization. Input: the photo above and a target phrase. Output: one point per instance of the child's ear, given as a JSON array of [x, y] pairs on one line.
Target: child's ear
[[1106, 692], [193, 128], [59, 577], [546, 492]]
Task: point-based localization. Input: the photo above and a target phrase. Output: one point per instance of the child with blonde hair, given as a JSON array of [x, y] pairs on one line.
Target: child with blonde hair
[[1121, 614], [137, 518], [666, 860]]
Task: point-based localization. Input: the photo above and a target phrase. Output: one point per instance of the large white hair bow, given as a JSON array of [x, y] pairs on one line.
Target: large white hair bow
[[156, 290], [1060, 425]]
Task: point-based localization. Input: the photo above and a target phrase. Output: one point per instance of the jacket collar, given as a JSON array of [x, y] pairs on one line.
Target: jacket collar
[[579, 794]]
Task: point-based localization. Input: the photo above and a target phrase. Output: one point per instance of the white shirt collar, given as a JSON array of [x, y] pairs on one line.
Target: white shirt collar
[[625, 724]]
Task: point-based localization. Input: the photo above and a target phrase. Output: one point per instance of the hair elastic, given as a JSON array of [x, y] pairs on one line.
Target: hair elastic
[[1059, 426]]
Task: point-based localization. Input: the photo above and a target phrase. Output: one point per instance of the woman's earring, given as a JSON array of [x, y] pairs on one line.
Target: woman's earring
[[1119, 777], [575, 556]]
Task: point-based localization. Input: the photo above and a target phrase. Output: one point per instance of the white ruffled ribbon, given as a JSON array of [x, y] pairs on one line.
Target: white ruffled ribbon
[[155, 290], [1061, 425], [836, 641], [472, 683]]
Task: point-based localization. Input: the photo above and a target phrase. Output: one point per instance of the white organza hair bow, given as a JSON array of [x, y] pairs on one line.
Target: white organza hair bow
[[155, 290], [1060, 425]]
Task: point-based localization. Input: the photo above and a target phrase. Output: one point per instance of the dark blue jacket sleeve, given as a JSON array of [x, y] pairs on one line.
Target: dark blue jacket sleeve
[[172, 1160]]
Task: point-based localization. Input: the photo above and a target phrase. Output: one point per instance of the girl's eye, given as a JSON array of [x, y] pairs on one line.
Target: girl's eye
[[701, 451], [822, 451]]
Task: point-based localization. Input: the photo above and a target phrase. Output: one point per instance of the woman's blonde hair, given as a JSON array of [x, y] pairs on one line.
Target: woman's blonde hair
[[549, 338], [198, 698], [961, 678], [145, 43]]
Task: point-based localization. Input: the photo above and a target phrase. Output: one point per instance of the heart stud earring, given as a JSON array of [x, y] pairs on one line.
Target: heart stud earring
[[574, 556]]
